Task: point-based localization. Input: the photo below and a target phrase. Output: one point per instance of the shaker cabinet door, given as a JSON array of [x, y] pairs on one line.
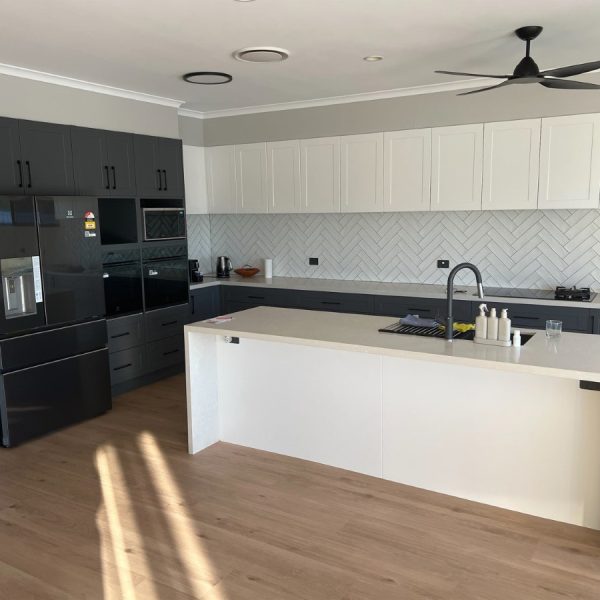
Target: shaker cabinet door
[[251, 178], [170, 162], [47, 156], [121, 163], [320, 175], [220, 178], [90, 163], [11, 167], [570, 162]]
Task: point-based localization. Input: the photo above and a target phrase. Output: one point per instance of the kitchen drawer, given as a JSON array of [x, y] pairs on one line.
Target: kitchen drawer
[[125, 332], [336, 302], [533, 316], [165, 353], [166, 322], [428, 308], [126, 364], [257, 296]]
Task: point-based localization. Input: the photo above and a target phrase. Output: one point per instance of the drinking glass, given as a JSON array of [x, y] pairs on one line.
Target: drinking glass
[[553, 328]]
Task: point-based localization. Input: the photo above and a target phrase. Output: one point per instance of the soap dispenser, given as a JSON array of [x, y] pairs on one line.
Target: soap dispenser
[[481, 323], [492, 325], [504, 326]]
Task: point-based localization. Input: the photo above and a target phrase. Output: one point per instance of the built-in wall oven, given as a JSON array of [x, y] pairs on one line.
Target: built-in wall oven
[[165, 275], [122, 272], [163, 220]]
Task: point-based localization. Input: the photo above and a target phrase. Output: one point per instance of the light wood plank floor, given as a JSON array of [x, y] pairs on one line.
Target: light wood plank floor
[[115, 509]]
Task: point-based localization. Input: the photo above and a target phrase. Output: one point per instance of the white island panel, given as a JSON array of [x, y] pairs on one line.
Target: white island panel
[[524, 442], [312, 403]]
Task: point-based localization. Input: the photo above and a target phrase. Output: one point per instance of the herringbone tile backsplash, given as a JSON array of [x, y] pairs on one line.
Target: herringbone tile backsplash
[[533, 249]]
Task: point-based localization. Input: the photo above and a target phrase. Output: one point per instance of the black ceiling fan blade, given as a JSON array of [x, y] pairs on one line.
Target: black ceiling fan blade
[[573, 69], [473, 74], [485, 89], [569, 84]]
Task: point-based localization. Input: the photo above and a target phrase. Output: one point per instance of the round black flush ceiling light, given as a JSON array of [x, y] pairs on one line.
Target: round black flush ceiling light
[[207, 77]]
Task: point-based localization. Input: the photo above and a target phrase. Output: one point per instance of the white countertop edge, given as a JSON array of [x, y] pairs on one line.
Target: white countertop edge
[[382, 288], [225, 329]]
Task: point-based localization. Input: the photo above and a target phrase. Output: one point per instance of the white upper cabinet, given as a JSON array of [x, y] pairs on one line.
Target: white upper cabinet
[[511, 160], [251, 178], [361, 173], [456, 167], [407, 170], [283, 176], [320, 175], [194, 173], [570, 162], [220, 176]]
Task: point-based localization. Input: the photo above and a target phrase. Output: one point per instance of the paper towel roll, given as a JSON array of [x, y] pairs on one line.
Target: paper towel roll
[[268, 271]]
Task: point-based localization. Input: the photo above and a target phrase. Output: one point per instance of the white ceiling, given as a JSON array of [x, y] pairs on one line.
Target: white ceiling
[[146, 45]]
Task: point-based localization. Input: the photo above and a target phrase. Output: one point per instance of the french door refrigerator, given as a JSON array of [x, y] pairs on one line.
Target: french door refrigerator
[[53, 348]]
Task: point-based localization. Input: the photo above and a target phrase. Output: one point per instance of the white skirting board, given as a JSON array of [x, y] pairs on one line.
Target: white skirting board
[[525, 442]]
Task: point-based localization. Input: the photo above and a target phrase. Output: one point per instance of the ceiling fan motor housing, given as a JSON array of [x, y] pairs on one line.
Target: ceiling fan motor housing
[[526, 68]]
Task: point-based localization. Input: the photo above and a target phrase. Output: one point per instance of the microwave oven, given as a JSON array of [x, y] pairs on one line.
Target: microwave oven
[[163, 223]]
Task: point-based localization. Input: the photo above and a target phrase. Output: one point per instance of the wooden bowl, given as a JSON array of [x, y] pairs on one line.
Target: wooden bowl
[[247, 271]]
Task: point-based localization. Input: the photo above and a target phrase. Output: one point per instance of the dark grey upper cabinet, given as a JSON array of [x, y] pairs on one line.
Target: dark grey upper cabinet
[[103, 162], [158, 167], [11, 168], [47, 158]]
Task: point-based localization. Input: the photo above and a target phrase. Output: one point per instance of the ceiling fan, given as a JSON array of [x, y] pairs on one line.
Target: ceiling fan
[[527, 70]]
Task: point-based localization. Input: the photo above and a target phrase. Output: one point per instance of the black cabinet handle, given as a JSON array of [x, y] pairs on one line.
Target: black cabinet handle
[[123, 367], [526, 318], [420, 310], [28, 165], [169, 323], [20, 165], [107, 186], [256, 297], [120, 335], [114, 174], [159, 180], [331, 303], [165, 174], [170, 352]]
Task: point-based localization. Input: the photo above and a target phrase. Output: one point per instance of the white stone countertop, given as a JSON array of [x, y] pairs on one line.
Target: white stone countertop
[[418, 290], [570, 356]]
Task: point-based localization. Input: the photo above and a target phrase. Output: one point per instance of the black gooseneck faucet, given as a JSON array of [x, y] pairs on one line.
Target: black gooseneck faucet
[[450, 292]]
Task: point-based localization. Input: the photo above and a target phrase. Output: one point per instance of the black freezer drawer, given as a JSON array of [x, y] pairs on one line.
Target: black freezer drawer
[[54, 344], [166, 322], [534, 316], [127, 364], [165, 353], [41, 399], [125, 332]]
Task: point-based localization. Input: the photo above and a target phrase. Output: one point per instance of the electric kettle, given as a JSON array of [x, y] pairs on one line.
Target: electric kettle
[[223, 266]]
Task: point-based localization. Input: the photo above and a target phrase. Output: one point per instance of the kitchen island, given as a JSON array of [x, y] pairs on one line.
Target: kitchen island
[[509, 427]]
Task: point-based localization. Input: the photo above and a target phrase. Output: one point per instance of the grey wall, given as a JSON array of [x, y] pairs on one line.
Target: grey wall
[[28, 99], [426, 110], [191, 131]]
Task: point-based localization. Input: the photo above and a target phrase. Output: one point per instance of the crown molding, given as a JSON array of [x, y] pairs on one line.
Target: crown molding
[[87, 86], [434, 88]]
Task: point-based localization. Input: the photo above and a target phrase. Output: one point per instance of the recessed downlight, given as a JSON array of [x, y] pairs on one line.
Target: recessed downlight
[[207, 77], [261, 54], [373, 58]]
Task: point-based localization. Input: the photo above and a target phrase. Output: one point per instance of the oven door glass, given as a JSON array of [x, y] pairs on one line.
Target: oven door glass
[[164, 224], [123, 288], [166, 282]]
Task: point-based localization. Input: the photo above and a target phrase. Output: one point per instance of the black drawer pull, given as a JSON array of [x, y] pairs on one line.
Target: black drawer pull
[[330, 303], [20, 165], [114, 174], [123, 367], [28, 165], [165, 174], [159, 180], [169, 323], [120, 335], [170, 352], [107, 186], [256, 297], [526, 318], [420, 310]]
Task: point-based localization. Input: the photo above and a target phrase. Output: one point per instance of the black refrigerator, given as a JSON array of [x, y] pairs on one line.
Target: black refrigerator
[[53, 346]]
